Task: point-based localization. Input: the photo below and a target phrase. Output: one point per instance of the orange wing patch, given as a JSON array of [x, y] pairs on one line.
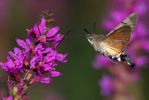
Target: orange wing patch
[[114, 43]]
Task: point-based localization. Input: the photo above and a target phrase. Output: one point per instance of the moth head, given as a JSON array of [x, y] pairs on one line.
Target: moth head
[[94, 38], [90, 38]]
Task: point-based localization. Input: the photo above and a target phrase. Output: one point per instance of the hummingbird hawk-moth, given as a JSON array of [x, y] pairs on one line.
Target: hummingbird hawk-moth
[[114, 43]]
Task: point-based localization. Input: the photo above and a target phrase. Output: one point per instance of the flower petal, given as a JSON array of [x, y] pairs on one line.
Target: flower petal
[[42, 26], [55, 73], [47, 67], [46, 80], [12, 55], [28, 41], [33, 62], [57, 40], [36, 32], [141, 61], [52, 31], [8, 98], [17, 51], [61, 57], [23, 44], [101, 62], [10, 63], [106, 85]]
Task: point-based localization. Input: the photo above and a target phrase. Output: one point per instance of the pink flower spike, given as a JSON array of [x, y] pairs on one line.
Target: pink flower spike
[[52, 31]]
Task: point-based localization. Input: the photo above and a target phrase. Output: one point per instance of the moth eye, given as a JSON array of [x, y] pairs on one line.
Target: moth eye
[[90, 38]]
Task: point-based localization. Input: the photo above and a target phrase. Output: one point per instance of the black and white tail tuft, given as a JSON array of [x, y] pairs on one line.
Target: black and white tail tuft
[[127, 59]]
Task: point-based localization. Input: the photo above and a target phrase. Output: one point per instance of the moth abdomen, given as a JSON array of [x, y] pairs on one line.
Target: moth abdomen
[[129, 61], [124, 57]]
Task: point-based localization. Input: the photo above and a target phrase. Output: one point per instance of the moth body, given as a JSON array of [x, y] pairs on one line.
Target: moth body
[[95, 40], [114, 43]]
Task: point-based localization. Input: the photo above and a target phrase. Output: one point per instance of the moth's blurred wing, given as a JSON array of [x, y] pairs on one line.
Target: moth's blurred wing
[[130, 21], [116, 41]]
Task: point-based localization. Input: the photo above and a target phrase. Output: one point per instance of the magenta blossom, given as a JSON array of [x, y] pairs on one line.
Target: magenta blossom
[[36, 59], [35, 53], [106, 85], [8, 98]]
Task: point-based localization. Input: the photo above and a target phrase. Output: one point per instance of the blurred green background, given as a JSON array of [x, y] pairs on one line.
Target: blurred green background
[[80, 79]]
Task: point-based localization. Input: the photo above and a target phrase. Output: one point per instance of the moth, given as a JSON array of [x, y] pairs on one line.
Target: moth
[[114, 43]]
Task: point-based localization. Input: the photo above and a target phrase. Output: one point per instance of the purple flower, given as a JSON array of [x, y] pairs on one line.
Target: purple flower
[[141, 61], [11, 66], [46, 58], [8, 98], [44, 35], [101, 62], [45, 80], [36, 55], [52, 31], [106, 85], [145, 45], [55, 73], [35, 60], [23, 44]]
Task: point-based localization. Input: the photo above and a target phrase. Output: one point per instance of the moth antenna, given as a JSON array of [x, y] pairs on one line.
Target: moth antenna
[[86, 31]]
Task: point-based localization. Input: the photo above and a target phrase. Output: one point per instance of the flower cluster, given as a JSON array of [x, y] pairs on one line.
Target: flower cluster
[[35, 54], [36, 59], [136, 49]]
